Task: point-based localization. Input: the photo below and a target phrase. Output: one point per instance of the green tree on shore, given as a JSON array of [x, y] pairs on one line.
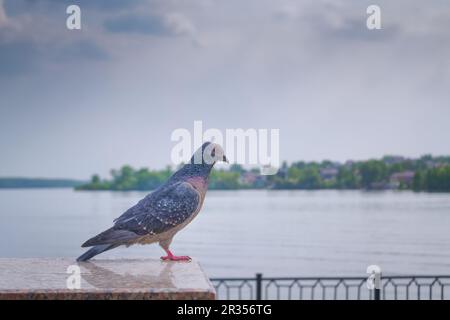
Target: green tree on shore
[[372, 172], [431, 174], [433, 180]]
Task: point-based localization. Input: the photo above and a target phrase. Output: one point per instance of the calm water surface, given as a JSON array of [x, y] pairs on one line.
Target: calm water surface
[[238, 233]]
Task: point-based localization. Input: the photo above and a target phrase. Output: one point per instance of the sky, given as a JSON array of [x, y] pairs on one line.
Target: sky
[[78, 102]]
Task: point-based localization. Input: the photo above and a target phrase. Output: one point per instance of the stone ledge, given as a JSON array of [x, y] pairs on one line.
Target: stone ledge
[[136, 279]]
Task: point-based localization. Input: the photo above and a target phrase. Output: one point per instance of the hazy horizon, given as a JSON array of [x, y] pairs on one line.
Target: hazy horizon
[[78, 102]]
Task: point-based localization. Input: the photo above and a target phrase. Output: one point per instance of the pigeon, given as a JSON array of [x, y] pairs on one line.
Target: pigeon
[[165, 211]]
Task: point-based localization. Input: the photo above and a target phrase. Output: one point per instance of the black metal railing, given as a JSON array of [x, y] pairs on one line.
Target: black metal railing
[[333, 288]]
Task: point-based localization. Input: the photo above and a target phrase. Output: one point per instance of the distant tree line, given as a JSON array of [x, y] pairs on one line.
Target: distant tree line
[[128, 178], [21, 183], [426, 173]]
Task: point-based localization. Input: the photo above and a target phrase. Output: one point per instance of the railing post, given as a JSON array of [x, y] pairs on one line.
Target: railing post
[[377, 294], [258, 286], [374, 280], [377, 291]]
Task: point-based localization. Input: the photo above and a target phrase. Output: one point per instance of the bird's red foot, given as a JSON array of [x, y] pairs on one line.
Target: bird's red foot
[[176, 258], [171, 257]]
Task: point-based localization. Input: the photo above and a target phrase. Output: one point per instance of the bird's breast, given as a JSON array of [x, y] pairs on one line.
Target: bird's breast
[[200, 184]]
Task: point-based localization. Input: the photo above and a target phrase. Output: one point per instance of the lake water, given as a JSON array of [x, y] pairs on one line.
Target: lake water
[[239, 233]]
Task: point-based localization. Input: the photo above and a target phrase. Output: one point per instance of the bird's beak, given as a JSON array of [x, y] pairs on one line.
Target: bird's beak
[[224, 159]]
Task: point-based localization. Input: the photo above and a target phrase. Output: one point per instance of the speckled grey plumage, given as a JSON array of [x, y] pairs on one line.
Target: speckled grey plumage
[[160, 215]]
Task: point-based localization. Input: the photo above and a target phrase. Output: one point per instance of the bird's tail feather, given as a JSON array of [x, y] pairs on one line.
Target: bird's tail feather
[[95, 251]]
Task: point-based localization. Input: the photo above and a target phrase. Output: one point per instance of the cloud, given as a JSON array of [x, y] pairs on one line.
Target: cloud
[[108, 5], [179, 24], [274, 63], [151, 25], [354, 29], [82, 50], [24, 57], [31, 41], [334, 21], [286, 11], [17, 58], [48, 6], [164, 25], [4, 21]]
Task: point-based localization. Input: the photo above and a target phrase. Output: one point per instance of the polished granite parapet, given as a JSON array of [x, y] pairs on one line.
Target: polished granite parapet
[[149, 279]]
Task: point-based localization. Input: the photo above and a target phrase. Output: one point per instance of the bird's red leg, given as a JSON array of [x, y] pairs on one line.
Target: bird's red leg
[[171, 257]]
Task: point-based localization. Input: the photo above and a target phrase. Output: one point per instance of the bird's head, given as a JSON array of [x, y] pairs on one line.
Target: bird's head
[[201, 162], [208, 154]]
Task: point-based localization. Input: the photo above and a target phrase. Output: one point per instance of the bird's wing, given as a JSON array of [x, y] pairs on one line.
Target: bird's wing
[[160, 211]]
